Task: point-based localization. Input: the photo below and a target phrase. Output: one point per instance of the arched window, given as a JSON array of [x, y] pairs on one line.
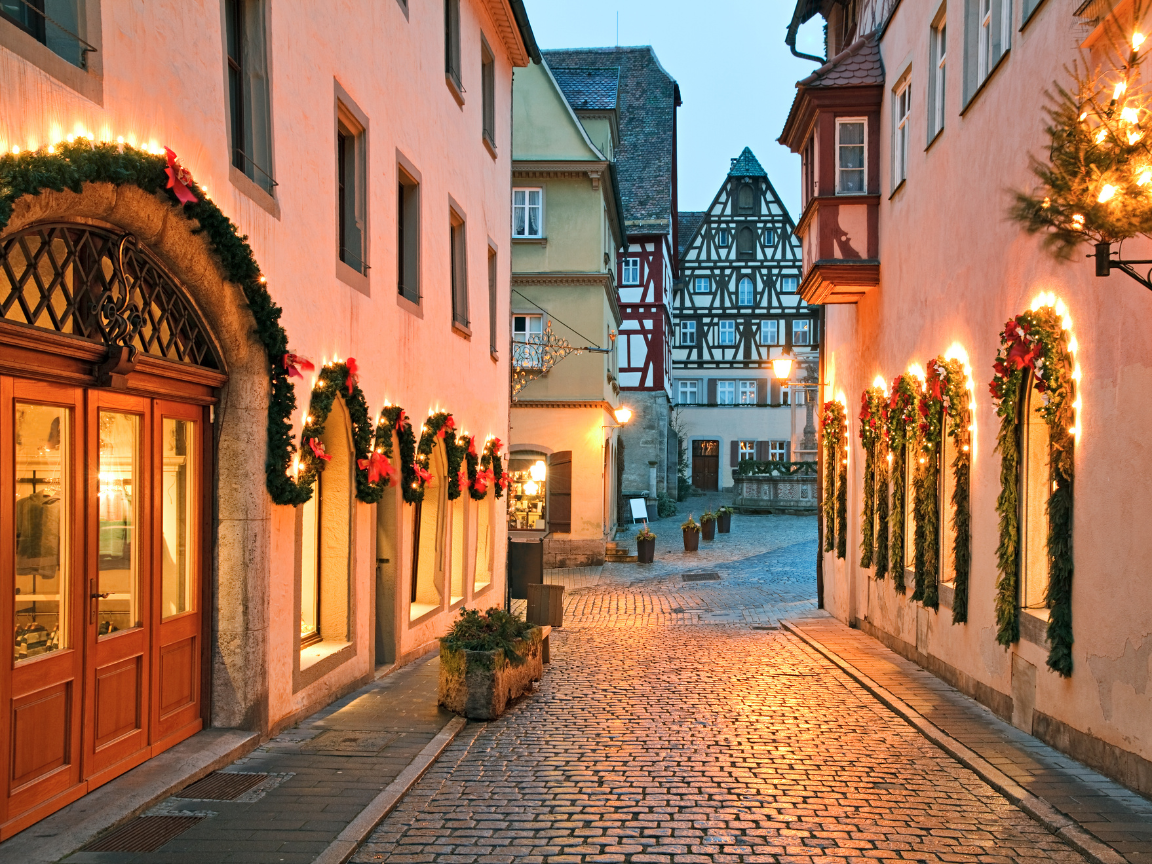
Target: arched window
[[325, 544], [428, 540], [745, 294], [746, 198], [459, 560], [746, 241], [947, 485], [1035, 487], [485, 537]]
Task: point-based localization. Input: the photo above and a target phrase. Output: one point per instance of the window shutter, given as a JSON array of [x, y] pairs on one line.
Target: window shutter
[[787, 451], [560, 492], [735, 448], [711, 391], [775, 397], [762, 453], [762, 391]]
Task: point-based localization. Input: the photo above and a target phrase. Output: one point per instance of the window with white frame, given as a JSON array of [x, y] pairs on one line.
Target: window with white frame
[[727, 332], [777, 451], [687, 332], [769, 237], [722, 237], [527, 212], [987, 39], [901, 128], [725, 392], [747, 451], [631, 271], [526, 333], [770, 332], [938, 56], [702, 285], [689, 391], [747, 392], [851, 158], [789, 284], [801, 331], [745, 292]]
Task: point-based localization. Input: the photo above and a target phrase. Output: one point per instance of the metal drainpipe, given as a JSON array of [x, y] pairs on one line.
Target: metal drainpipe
[[819, 477]]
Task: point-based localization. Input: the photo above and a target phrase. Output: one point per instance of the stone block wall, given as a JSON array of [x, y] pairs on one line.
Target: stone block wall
[[560, 552]]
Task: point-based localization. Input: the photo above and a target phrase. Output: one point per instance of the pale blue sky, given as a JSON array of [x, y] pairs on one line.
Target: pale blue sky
[[736, 75]]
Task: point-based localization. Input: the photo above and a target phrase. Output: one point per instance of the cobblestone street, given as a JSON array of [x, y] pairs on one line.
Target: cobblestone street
[[676, 725]]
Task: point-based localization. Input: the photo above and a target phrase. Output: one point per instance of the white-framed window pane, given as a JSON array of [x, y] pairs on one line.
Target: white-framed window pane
[[631, 271], [902, 104], [722, 237], [850, 156], [746, 292], [527, 212], [747, 450], [770, 332], [801, 332], [777, 451], [769, 237], [727, 332], [524, 328], [726, 392], [747, 392], [940, 57], [688, 391], [535, 199], [703, 284], [687, 332]]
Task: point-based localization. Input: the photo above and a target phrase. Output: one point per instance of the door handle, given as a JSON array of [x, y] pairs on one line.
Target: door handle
[[99, 596], [93, 594]]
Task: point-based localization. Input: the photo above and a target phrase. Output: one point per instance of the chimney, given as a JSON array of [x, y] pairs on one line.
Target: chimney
[[733, 165]]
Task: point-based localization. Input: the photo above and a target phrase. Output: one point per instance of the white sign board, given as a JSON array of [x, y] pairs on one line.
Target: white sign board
[[639, 509]]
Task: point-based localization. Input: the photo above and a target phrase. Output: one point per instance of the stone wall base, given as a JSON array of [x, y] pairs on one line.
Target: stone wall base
[[560, 552]]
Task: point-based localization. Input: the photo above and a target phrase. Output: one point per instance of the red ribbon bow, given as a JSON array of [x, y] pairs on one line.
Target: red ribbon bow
[[503, 481], [179, 179], [462, 478], [421, 474], [318, 449], [378, 467], [472, 446], [449, 425], [483, 478], [353, 373], [401, 419], [293, 363], [496, 445]]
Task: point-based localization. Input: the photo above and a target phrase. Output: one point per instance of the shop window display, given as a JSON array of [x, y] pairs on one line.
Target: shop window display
[[528, 492]]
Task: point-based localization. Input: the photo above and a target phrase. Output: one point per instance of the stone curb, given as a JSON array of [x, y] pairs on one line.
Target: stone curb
[[1062, 826], [357, 831]]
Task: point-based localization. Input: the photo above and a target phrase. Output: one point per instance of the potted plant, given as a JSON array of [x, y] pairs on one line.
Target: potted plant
[[708, 525], [691, 534], [724, 520], [645, 545], [487, 660]]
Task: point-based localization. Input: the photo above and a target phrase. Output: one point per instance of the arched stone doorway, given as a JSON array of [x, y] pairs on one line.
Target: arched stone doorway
[[144, 631]]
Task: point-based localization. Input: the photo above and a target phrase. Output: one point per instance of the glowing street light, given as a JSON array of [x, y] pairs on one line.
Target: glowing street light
[[782, 365], [622, 414]]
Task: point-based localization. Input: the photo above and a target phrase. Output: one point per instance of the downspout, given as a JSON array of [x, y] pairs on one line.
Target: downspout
[[820, 475]]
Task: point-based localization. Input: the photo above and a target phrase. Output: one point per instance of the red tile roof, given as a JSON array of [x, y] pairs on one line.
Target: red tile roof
[[857, 65]]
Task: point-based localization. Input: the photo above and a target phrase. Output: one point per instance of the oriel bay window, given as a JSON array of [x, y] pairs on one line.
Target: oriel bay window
[[851, 157]]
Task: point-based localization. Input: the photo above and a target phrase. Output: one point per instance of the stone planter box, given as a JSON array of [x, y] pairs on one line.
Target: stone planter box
[[480, 684], [769, 493]]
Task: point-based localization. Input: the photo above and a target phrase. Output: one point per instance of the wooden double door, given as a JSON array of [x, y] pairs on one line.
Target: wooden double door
[[101, 575]]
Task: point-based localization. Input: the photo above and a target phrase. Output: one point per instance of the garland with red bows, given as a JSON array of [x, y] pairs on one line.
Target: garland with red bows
[[1034, 352], [958, 427], [833, 428], [873, 416], [930, 406], [902, 431]]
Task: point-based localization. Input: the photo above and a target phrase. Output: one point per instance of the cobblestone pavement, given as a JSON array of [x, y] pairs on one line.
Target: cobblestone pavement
[[665, 737]]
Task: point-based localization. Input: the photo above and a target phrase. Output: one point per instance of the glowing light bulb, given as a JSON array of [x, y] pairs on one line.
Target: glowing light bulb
[[1130, 115], [15, 150], [1120, 88], [1106, 193], [1144, 178], [1078, 219], [1137, 40], [1133, 137], [1101, 135]]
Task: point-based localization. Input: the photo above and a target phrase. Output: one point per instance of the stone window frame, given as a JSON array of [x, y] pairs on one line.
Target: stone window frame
[[88, 82]]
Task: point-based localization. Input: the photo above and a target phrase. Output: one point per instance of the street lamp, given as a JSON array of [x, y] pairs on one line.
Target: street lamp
[[782, 365], [623, 414]]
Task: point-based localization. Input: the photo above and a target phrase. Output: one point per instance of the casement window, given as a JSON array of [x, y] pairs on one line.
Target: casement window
[[851, 157], [777, 451], [801, 331], [452, 44], [351, 189], [492, 302], [769, 238], [745, 293], [770, 332], [688, 392], [702, 285], [687, 333], [746, 241], [747, 451], [747, 392], [988, 36], [1035, 488], [937, 65], [407, 236], [459, 257], [526, 332], [53, 23], [725, 392], [727, 332], [631, 271], [488, 92], [527, 212], [789, 284], [722, 237], [249, 102], [901, 128]]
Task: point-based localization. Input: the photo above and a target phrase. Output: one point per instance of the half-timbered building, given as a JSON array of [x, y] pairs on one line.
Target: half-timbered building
[[737, 308]]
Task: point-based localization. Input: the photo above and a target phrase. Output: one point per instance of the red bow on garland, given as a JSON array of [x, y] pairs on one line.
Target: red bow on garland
[[401, 419], [422, 474], [293, 363], [179, 179], [472, 446], [378, 467], [462, 478], [318, 449], [503, 481], [483, 478], [449, 425], [353, 373], [496, 445]]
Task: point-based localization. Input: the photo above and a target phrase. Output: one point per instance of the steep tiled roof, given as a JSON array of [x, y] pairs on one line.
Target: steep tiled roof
[[858, 64], [746, 165], [646, 101], [588, 89], [687, 221]]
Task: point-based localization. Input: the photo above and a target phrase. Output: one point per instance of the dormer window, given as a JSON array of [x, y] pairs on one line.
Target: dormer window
[[850, 157], [746, 198]]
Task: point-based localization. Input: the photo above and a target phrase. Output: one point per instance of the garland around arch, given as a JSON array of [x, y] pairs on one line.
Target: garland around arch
[[902, 427], [833, 429], [873, 415], [289, 471]]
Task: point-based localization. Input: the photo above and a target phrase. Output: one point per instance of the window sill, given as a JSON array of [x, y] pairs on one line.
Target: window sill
[[935, 137], [455, 89], [530, 241], [490, 146], [89, 83], [495, 356], [1031, 16], [980, 89], [313, 654], [352, 278], [480, 588], [416, 611], [899, 186], [462, 330], [1034, 626], [409, 306], [246, 185]]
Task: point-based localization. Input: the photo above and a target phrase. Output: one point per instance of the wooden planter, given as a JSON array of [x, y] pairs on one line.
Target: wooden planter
[[481, 684], [724, 523], [645, 550], [708, 529], [691, 540]]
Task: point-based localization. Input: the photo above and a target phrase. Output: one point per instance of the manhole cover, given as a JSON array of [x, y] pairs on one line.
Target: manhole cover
[[145, 834], [342, 742], [221, 786], [700, 577]]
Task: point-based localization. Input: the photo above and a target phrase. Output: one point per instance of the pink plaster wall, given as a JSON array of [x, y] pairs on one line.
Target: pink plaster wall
[[164, 79], [954, 269]]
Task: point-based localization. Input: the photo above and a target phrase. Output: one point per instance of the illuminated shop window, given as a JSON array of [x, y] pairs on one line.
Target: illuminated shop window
[[527, 491]]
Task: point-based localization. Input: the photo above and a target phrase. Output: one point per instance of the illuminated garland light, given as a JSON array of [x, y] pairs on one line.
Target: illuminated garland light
[[833, 430], [874, 440]]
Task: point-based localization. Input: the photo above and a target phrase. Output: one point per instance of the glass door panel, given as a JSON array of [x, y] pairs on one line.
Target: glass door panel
[[117, 559], [177, 506]]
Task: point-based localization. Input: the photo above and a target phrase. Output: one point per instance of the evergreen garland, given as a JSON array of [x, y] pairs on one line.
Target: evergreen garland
[[902, 409], [1035, 348], [958, 412], [931, 438], [881, 558], [832, 423], [872, 403], [842, 508]]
